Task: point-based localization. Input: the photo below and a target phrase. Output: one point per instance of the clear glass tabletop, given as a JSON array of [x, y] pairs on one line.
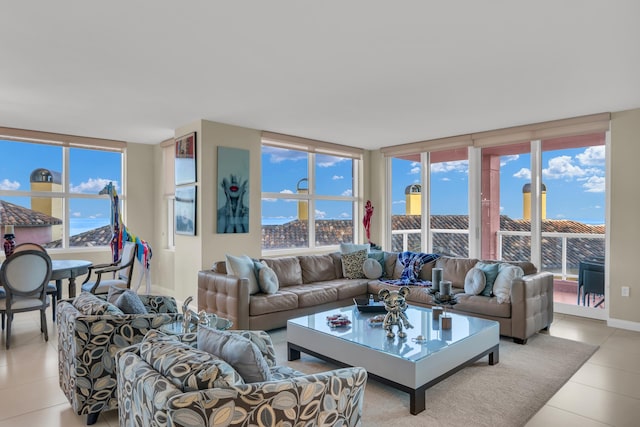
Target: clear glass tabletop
[[371, 334], [176, 328]]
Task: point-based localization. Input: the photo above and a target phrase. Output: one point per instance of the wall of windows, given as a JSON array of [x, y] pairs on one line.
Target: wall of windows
[[309, 195], [50, 192]]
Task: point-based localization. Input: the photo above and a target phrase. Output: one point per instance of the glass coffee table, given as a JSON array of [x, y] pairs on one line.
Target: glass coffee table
[[176, 328], [425, 357]]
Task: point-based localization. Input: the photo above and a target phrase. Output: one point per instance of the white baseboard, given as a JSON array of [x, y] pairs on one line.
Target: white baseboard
[[624, 324]]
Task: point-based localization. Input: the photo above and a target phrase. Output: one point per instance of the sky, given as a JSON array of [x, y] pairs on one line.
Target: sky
[[89, 171]]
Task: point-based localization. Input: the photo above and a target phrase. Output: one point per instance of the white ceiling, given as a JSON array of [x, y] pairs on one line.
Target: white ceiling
[[367, 73]]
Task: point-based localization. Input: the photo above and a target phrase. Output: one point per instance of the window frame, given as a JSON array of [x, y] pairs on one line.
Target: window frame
[[66, 143]]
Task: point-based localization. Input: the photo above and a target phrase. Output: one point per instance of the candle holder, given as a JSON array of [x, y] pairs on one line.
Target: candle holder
[[9, 244]]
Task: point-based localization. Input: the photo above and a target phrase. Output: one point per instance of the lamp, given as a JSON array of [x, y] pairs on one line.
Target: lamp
[[9, 240]]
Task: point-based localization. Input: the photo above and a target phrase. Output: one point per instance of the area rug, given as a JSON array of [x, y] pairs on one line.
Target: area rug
[[507, 394]]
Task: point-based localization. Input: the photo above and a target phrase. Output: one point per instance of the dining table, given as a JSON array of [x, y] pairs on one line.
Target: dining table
[[68, 269]]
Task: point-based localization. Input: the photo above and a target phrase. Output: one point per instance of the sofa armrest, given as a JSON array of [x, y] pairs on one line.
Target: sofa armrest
[[310, 400], [225, 295], [531, 304], [135, 375]]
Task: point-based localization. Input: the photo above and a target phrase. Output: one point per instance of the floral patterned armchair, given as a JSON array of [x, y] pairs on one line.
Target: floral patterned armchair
[[289, 398], [87, 344]]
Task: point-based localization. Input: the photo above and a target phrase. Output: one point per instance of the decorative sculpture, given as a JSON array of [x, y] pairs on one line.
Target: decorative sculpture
[[396, 304]]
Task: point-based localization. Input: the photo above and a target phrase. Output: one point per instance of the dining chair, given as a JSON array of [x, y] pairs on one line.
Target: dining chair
[[52, 289], [122, 270], [24, 276]]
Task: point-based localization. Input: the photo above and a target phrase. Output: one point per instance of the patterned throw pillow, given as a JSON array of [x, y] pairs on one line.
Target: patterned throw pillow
[[90, 304], [352, 264], [239, 352], [187, 368]]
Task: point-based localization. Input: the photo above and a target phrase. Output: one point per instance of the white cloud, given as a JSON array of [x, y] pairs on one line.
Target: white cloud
[[399, 202], [347, 193], [278, 155], [92, 186], [269, 199], [592, 156], [344, 215], [445, 179], [336, 177], [325, 161], [455, 166], [414, 170], [562, 167], [286, 191], [95, 216], [506, 159], [595, 184], [5, 184], [320, 214], [560, 216], [76, 214], [598, 207], [523, 173], [501, 208]]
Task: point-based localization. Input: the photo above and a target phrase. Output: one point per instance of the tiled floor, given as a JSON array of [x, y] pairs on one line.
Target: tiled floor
[[605, 391]]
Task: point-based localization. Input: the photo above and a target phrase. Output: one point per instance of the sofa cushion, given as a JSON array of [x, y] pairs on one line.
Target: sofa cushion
[[239, 352], [187, 368], [317, 268], [425, 273], [352, 264], [287, 269], [243, 267], [490, 272], [484, 306], [349, 288], [90, 304], [130, 303], [282, 300], [390, 263], [312, 294], [474, 282], [502, 285], [337, 264], [455, 269]]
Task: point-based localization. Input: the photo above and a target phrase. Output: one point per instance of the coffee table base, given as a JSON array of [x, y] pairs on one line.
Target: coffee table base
[[417, 395]]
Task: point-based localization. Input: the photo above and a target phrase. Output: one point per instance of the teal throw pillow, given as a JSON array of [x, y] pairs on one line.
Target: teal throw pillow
[[490, 271], [378, 256]]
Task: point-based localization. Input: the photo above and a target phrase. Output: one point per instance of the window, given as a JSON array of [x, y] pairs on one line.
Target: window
[[309, 197], [50, 192]]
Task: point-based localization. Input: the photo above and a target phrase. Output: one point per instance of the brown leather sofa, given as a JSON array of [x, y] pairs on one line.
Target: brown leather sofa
[[313, 283]]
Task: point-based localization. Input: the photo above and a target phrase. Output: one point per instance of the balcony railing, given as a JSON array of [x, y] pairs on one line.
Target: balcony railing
[[562, 252]]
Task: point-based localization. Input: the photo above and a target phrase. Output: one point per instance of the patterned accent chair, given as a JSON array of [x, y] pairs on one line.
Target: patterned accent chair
[[87, 344], [289, 398]]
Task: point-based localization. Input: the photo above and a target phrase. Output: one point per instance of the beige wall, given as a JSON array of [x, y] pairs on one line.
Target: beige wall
[[624, 223]]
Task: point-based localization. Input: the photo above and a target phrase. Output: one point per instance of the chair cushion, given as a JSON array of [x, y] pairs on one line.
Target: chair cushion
[[239, 352], [186, 367], [90, 304], [130, 303], [20, 303]]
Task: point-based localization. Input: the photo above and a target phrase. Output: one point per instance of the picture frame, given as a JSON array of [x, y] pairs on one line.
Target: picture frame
[[185, 159], [233, 190], [185, 210]]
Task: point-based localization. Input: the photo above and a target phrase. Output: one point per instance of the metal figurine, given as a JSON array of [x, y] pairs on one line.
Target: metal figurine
[[396, 304]]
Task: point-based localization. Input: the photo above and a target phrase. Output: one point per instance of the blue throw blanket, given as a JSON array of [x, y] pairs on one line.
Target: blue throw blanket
[[412, 262]]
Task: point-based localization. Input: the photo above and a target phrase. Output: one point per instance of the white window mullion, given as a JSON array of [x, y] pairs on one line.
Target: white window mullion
[[312, 201], [536, 203], [66, 203], [425, 219], [475, 201]]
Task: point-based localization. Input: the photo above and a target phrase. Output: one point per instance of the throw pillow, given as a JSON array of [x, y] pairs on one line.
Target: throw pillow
[[239, 352], [243, 267], [474, 281], [352, 264], [186, 367], [490, 272], [348, 248], [130, 303], [502, 285], [90, 304], [268, 280], [378, 256], [372, 268]]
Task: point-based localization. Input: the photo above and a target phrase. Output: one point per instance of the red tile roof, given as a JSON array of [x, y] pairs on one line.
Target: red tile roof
[[19, 216]]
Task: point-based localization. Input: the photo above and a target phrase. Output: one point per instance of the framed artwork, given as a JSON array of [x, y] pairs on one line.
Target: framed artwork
[[185, 170], [185, 210], [233, 190]]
